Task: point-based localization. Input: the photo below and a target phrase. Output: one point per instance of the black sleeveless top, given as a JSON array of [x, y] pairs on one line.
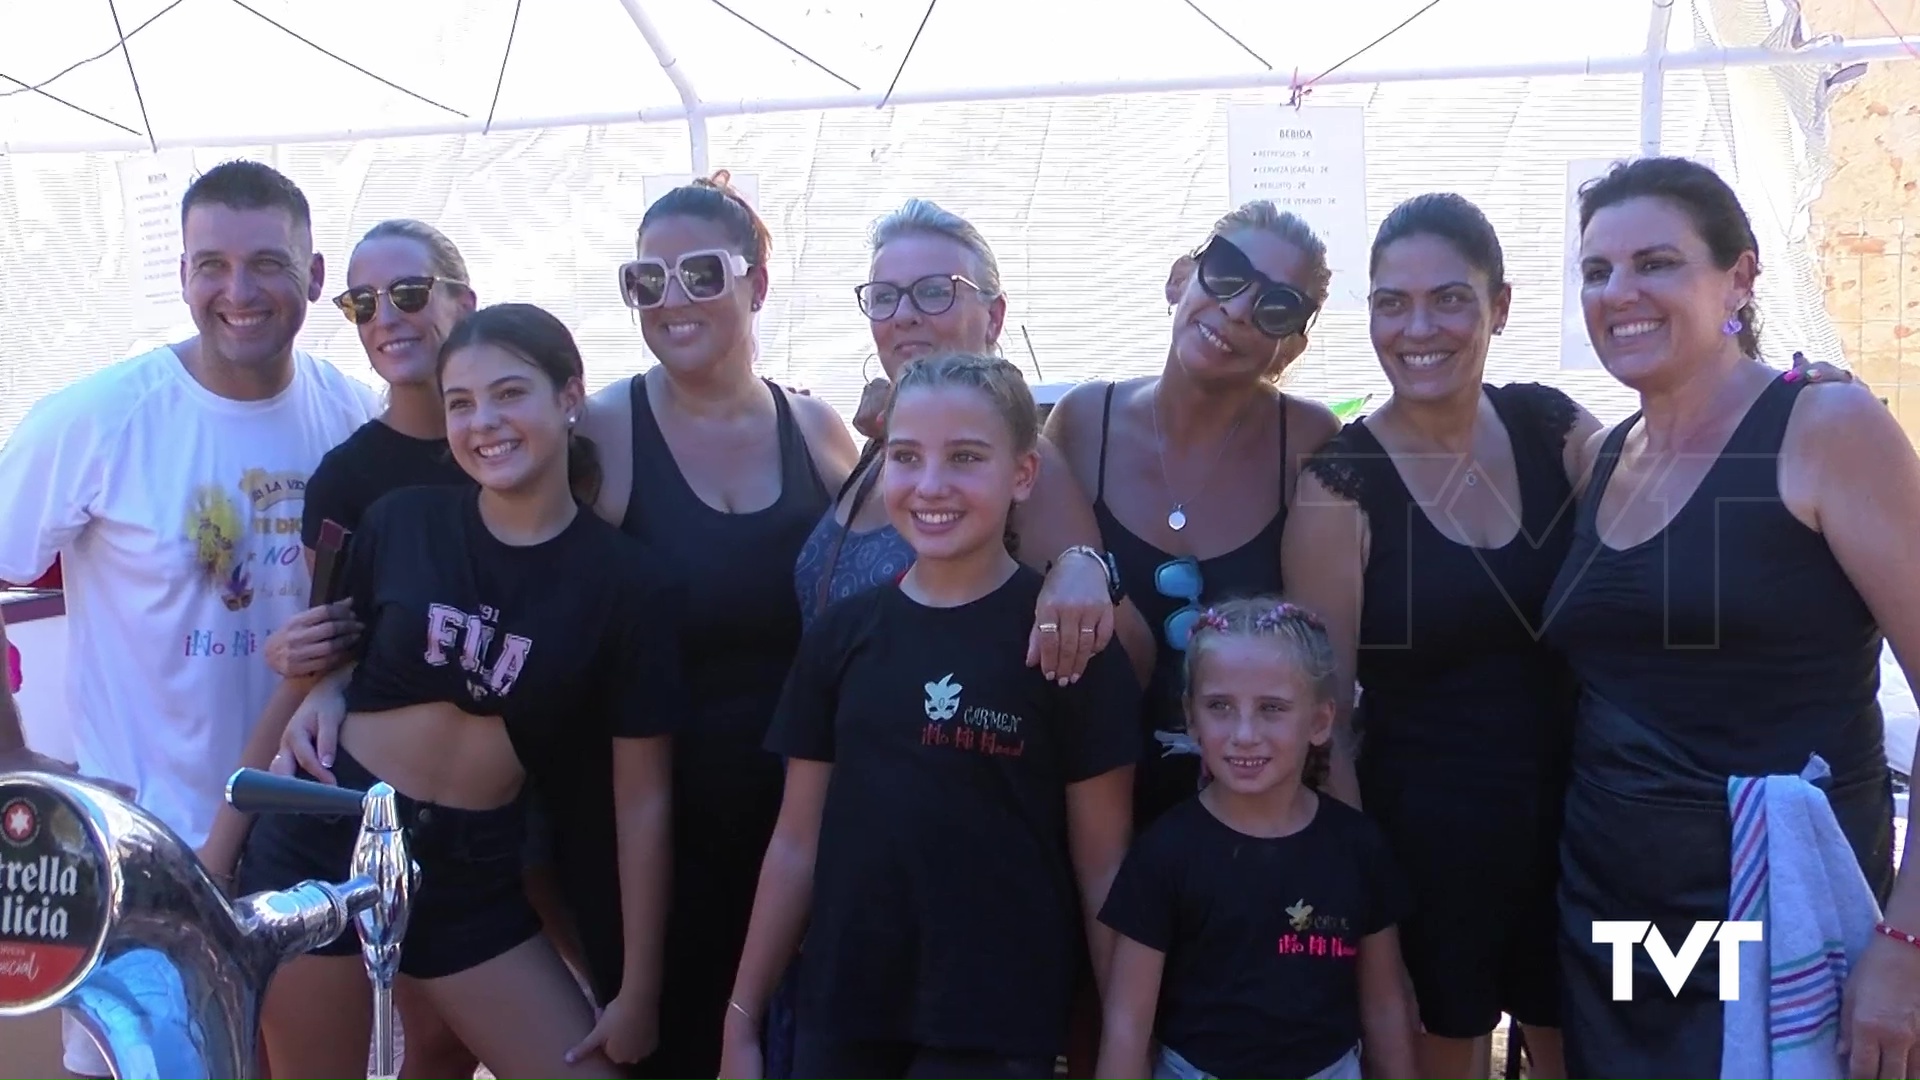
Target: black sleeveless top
[[742, 624], [1451, 662], [1169, 773], [1733, 631], [1729, 643]]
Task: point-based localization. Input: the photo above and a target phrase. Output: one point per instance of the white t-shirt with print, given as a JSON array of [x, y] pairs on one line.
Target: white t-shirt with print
[[176, 516]]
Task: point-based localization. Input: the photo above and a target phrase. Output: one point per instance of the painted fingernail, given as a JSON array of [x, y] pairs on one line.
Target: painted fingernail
[[1793, 376]]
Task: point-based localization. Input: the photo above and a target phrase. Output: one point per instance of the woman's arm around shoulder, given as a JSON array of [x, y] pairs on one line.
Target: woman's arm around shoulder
[[1323, 560], [1057, 528]]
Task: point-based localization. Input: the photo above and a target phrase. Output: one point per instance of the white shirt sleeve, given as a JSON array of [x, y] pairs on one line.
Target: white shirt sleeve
[[51, 474]]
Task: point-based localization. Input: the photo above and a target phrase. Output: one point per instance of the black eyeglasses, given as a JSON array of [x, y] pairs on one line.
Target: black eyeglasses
[[931, 295], [408, 295], [1279, 309]]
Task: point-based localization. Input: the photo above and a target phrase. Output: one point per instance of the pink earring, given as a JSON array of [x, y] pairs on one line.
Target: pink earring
[[1733, 326]]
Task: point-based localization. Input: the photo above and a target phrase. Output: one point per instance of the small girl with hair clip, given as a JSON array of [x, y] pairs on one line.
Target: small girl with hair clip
[[1257, 919], [952, 818]]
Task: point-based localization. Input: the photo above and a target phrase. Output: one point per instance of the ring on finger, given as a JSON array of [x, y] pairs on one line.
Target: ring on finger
[[1049, 628], [1086, 629]]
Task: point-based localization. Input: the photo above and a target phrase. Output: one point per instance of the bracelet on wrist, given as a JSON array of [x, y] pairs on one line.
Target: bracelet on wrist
[[1897, 935], [1115, 590], [1083, 549]]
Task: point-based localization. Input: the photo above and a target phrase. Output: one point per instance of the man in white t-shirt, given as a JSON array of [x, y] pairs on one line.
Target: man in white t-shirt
[[171, 485]]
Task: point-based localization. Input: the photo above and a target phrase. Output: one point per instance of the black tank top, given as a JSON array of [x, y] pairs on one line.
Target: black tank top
[[1451, 662], [744, 621], [1732, 633], [1170, 771]]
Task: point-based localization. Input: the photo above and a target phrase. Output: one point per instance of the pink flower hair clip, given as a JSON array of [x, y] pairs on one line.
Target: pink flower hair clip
[[1213, 620], [1282, 612]]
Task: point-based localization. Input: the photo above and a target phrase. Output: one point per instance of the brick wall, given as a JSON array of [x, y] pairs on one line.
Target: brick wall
[[1866, 224]]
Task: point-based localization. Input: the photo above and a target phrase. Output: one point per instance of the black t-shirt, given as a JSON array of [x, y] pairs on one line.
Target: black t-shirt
[[1261, 935], [577, 630], [374, 460], [945, 910]]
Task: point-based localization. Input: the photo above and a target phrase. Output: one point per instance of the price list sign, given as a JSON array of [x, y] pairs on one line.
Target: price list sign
[[1312, 161], [151, 187]]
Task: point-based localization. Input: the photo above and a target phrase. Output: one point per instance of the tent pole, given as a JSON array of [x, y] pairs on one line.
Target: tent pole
[[1864, 50], [1653, 80], [689, 98]]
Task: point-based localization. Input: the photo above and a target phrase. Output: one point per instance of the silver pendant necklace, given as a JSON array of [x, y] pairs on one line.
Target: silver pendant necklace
[[1177, 517]]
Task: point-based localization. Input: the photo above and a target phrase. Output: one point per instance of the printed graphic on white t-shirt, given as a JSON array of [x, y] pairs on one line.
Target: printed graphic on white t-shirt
[[176, 514]]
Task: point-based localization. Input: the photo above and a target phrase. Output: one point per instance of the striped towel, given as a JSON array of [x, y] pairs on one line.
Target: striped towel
[[1793, 871]]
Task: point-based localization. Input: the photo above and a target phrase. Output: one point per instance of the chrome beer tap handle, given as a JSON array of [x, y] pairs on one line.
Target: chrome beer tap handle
[[377, 899], [380, 855], [108, 913]]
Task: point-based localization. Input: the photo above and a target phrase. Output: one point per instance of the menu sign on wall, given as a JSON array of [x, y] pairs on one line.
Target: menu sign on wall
[[151, 188], [53, 896], [1313, 162]]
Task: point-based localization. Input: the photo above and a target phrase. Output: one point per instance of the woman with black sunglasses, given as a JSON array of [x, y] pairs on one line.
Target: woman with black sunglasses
[[1193, 469]]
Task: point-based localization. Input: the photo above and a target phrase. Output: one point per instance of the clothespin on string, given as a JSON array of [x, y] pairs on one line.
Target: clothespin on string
[[1297, 91]]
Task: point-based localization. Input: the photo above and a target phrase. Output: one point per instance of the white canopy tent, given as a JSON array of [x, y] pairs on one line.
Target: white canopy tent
[[1087, 139], [1090, 149]]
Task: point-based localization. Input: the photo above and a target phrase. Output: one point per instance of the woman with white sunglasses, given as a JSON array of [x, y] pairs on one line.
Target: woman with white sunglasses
[[724, 473]]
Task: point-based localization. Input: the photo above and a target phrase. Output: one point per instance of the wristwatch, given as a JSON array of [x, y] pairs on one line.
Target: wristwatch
[[1116, 592]]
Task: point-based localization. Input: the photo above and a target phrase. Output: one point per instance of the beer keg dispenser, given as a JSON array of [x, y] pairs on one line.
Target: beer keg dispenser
[[106, 912]]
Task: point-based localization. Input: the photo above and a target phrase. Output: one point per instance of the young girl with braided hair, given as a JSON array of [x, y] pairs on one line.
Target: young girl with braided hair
[[1256, 921], [951, 817]]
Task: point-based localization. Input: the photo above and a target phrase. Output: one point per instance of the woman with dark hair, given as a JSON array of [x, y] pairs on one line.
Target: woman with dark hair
[[528, 665], [1458, 494], [1742, 543], [724, 474]]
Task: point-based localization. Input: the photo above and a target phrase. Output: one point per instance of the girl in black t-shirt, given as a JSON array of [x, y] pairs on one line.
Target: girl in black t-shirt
[[507, 629], [1256, 920], [951, 818]]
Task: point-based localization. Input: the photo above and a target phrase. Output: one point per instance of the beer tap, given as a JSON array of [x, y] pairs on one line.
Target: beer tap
[[106, 912]]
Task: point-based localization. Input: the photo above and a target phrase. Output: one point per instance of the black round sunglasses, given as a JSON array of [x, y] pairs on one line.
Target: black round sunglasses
[[1279, 309]]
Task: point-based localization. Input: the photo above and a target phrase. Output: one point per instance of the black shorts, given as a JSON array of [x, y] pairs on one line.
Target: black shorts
[[471, 904], [816, 1057], [1483, 863]]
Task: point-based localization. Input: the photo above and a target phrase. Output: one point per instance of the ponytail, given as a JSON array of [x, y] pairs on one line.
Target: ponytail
[[584, 472]]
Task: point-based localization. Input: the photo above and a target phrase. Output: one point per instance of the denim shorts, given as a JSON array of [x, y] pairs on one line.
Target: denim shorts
[[471, 904]]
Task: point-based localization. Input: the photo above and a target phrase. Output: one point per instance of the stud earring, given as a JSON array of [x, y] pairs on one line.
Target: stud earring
[[1733, 326]]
